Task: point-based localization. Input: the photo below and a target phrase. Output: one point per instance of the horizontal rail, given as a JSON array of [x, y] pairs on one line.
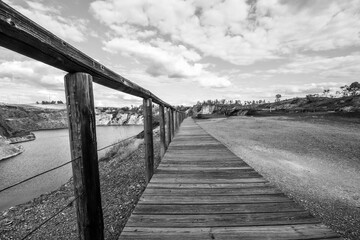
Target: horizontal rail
[[20, 34]]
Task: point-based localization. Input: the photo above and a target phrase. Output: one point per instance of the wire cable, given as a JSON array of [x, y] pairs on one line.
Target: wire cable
[[52, 169], [37, 175], [50, 218], [100, 149]]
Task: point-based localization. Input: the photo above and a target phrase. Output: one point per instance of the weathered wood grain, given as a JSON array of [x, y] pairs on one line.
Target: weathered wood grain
[[211, 199], [83, 146], [282, 232], [221, 220], [163, 144], [208, 192], [148, 139], [191, 209], [172, 123]]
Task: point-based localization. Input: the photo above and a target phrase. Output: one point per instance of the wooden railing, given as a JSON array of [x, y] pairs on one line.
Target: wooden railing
[[24, 36]]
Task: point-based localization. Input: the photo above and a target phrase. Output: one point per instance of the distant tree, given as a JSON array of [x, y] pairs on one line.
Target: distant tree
[[345, 90], [278, 96], [326, 92], [37, 102], [354, 88]]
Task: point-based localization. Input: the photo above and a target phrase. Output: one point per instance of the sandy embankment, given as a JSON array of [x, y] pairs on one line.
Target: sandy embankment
[[8, 150], [314, 161]]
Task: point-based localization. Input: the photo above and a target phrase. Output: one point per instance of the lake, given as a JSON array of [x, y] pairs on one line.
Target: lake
[[50, 149]]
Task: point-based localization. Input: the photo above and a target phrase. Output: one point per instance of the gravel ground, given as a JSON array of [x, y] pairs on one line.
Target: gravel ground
[[314, 161], [122, 180]]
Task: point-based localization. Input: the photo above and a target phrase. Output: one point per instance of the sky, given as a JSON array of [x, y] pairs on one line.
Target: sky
[[186, 51]]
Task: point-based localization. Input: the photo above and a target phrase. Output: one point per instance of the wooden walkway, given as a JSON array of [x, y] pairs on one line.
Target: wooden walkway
[[201, 190]]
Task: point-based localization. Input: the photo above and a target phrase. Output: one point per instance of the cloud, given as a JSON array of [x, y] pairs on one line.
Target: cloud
[[51, 18], [340, 66], [106, 97], [28, 81], [31, 73], [213, 81], [239, 31], [161, 58]]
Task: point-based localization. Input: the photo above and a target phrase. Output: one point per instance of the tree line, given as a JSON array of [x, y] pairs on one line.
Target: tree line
[[347, 90]]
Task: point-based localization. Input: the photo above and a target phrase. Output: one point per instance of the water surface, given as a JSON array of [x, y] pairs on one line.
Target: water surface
[[50, 149]]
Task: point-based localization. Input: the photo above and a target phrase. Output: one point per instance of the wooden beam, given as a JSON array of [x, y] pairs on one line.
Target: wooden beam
[[168, 125], [148, 138], [172, 123], [20, 34], [163, 144], [82, 132], [176, 120]]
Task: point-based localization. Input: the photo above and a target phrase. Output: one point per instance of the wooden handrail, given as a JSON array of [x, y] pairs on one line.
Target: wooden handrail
[[20, 34]]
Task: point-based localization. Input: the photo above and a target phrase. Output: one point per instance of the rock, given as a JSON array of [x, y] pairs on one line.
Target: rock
[[347, 109]]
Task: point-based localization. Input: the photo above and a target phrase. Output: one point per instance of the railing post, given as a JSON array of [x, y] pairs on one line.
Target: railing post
[[176, 121], [172, 123], [82, 133], [168, 125], [163, 144], [148, 138]]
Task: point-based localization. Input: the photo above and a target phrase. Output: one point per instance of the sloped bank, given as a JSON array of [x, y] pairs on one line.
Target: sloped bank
[[8, 150], [17, 122]]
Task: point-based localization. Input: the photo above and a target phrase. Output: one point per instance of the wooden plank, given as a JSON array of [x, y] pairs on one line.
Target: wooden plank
[[209, 176], [82, 133], [188, 167], [208, 185], [214, 199], [20, 34], [208, 163], [191, 172], [206, 180], [282, 232], [148, 140], [209, 192], [194, 209], [221, 220]]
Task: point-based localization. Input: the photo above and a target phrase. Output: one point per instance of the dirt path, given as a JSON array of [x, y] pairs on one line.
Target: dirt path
[[317, 162]]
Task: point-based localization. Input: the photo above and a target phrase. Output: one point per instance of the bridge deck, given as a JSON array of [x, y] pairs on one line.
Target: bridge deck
[[201, 190]]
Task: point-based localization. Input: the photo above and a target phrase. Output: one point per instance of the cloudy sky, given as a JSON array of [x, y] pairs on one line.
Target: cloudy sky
[[185, 51]]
